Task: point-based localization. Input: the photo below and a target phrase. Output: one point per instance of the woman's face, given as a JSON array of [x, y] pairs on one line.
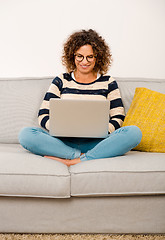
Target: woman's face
[[85, 59]]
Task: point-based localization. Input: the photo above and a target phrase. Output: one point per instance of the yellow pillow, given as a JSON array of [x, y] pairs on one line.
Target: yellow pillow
[[147, 111]]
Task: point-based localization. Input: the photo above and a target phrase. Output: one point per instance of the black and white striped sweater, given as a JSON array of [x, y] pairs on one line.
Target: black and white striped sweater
[[66, 87]]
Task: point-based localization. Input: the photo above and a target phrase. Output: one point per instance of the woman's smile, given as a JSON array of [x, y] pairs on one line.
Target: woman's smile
[[84, 66]]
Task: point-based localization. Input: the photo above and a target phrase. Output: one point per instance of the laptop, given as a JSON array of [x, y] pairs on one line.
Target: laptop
[[79, 118]]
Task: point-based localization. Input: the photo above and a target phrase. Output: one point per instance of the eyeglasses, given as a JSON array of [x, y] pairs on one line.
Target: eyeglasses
[[80, 58]]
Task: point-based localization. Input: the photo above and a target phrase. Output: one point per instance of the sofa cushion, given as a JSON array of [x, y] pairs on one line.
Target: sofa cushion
[[20, 100], [27, 175], [128, 85], [136, 173], [147, 112]]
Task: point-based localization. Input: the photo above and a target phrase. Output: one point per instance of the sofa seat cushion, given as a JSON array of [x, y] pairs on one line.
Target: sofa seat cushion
[[25, 174], [136, 173]]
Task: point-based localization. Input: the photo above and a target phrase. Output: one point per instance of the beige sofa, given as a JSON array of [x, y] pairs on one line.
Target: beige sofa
[[38, 195]]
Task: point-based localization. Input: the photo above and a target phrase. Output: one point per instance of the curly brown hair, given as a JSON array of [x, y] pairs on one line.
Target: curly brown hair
[[99, 46]]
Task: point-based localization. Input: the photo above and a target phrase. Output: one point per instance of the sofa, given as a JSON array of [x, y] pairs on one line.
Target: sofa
[[38, 195]]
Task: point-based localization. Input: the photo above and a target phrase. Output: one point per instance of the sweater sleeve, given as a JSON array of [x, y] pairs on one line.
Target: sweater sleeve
[[117, 112], [54, 91]]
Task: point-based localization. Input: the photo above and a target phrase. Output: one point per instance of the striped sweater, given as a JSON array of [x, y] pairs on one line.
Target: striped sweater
[[65, 87]]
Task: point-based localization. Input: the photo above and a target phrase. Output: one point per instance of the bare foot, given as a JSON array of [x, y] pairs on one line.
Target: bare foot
[[73, 162], [56, 158], [67, 162]]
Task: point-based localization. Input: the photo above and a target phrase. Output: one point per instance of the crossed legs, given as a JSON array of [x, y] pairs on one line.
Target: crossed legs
[[39, 142]]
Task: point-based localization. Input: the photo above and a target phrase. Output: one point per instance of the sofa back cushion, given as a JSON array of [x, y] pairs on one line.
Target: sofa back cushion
[[128, 85], [20, 99], [19, 103]]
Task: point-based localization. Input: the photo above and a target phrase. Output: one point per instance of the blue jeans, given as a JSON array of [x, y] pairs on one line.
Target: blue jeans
[[40, 142]]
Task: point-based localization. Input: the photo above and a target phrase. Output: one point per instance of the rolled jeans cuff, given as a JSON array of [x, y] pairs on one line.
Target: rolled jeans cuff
[[76, 154], [83, 157]]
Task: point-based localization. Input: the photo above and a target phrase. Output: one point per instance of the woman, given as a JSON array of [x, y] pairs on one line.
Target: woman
[[87, 58]]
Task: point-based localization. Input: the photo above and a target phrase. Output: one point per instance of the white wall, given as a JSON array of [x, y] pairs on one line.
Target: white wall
[[32, 33]]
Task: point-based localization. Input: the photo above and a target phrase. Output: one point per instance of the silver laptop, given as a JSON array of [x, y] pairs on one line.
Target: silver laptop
[[79, 118]]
